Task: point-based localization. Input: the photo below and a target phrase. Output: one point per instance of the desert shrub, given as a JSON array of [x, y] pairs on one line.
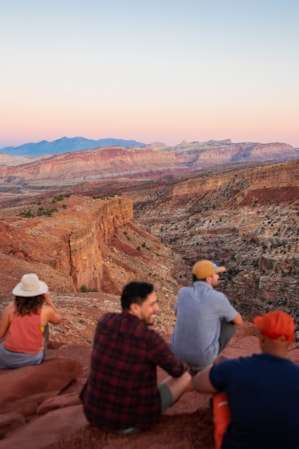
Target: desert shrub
[[46, 212], [26, 213], [85, 289], [60, 197]]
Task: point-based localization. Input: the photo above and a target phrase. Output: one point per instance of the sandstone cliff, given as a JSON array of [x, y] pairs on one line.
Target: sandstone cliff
[[87, 243]]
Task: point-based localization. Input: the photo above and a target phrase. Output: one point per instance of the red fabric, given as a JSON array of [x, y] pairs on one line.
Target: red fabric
[[24, 334], [221, 417]]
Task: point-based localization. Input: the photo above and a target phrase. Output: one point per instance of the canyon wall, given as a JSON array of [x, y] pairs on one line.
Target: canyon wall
[[246, 220], [268, 176], [71, 241], [87, 243]]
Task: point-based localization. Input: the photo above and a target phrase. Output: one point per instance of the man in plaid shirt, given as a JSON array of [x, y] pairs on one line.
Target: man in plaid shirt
[[121, 393]]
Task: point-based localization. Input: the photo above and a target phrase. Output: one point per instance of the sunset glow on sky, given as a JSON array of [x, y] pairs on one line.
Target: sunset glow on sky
[[149, 70]]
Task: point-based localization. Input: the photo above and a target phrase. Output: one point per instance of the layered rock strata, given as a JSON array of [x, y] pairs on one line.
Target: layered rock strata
[[87, 244]]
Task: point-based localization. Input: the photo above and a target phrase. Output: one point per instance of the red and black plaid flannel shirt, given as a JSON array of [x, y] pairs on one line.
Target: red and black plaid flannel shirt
[[121, 390]]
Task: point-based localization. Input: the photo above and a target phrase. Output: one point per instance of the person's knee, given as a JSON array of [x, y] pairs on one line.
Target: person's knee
[[179, 385]]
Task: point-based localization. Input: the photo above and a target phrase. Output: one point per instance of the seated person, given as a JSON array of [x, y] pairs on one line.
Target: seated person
[[205, 319], [262, 391], [121, 393], [24, 324]]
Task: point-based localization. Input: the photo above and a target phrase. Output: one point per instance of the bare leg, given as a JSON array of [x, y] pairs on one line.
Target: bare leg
[[179, 385]]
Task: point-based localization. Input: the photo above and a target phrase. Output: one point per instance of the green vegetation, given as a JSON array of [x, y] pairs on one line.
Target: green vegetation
[[46, 212], [104, 197], [85, 289], [26, 213], [42, 211], [60, 197]]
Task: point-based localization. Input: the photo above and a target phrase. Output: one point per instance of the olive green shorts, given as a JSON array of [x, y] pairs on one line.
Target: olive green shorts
[[166, 401], [166, 397]]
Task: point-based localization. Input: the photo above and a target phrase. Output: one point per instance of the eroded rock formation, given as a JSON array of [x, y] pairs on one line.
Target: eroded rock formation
[[88, 244]]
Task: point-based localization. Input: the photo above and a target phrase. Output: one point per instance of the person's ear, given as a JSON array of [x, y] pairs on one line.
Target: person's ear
[[209, 279], [262, 338], [284, 339], [134, 309]]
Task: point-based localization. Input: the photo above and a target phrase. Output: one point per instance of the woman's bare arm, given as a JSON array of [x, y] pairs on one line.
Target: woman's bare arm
[[6, 319]]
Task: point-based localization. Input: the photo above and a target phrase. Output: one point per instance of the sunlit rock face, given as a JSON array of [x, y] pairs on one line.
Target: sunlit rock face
[[87, 244]]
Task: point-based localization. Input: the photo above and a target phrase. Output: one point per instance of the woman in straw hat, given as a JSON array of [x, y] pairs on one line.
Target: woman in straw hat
[[24, 324]]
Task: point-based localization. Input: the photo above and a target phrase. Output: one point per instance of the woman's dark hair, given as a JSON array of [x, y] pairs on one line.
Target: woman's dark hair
[[135, 292], [28, 305]]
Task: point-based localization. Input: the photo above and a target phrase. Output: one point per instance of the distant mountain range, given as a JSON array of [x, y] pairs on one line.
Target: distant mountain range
[[66, 144], [149, 162]]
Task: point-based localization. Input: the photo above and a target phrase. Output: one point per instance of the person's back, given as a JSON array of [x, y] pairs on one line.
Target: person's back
[[24, 324], [204, 318], [121, 392], [197, 327], [24, 333], [263, 396], [259, 394], [122, 364]]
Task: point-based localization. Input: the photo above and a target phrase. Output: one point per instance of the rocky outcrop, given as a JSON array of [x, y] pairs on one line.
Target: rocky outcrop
[[240, 183], [54, 418], [72, 240]]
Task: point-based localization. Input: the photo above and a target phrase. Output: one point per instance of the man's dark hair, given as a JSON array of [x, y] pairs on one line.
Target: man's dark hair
[[135, 292], [194, 278]]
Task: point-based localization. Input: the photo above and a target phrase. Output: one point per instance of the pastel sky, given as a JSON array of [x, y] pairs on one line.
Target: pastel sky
[[150, 70]]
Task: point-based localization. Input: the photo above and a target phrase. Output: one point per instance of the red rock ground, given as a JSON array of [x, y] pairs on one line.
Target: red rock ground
[[41, 409]]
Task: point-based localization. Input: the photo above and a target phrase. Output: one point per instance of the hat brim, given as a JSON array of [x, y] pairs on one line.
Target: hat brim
[[18, 291], [220, 270], [258, 321]]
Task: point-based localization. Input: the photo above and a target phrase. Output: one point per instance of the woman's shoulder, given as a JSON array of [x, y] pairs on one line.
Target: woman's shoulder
[[11, 307]]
